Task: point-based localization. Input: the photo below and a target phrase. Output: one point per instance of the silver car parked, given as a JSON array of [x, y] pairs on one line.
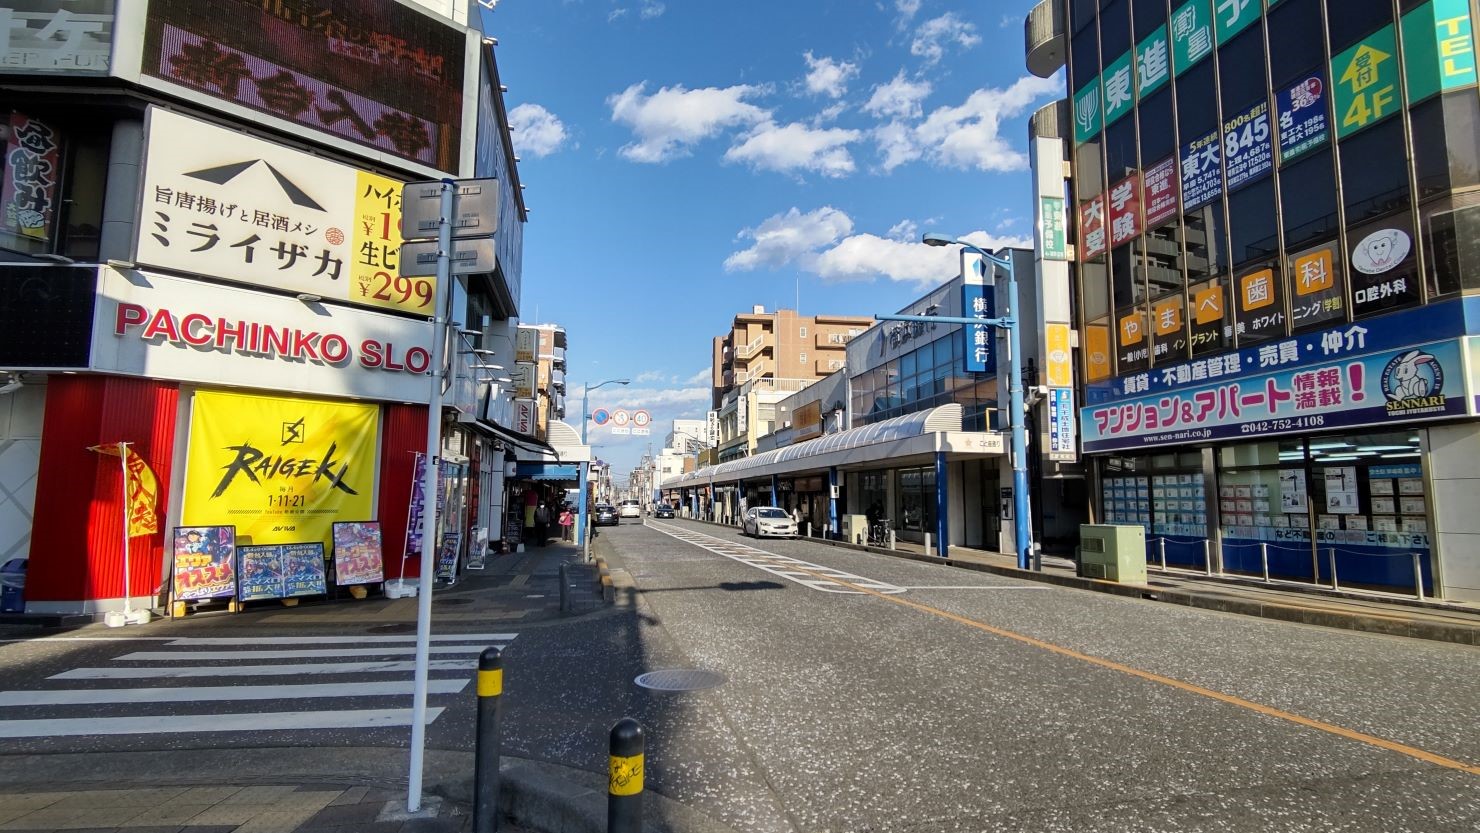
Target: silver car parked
[[768, 522]]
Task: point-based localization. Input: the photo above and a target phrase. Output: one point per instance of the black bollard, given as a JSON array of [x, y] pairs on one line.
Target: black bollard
[[485, 758], [624, 790]]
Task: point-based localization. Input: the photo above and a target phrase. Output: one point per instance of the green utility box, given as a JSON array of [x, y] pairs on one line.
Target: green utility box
[[1114, 552]]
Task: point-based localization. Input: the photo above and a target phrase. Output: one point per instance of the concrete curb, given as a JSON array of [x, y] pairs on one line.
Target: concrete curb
[[1286, 612]]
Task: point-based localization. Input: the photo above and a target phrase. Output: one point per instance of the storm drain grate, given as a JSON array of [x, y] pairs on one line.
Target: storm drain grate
[[680, 679]]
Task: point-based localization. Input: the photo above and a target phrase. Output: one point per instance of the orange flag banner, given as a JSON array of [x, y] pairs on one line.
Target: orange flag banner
[[143, 490]]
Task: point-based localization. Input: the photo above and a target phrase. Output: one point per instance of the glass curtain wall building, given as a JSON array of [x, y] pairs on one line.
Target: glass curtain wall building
[[1277, 211]]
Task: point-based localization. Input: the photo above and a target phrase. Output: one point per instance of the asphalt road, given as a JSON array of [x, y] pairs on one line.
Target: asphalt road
[[867, 693]]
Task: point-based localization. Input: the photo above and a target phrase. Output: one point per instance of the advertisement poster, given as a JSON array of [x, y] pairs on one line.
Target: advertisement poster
[[357, 553], [1341, 490], [1125, 210], [1160, 192], [1202, 173], [283, 470], [1366, 81], [205, 562], [1248, 150], [32, 169], [66, 37], [1302, 117], [1093, 237], [382, 75], [219, 202], [1380, 388], [261, 570], [1438, 52], [303, 570], [416, 507], [447, 556]]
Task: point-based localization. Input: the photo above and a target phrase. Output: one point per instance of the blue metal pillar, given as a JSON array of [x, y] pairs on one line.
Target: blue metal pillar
[[739, 501], [942, 505], [832, 503], [581, 508], [773, 491]]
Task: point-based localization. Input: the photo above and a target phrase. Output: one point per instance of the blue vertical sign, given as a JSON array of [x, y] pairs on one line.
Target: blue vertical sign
[[977, 345], [1062, 432]]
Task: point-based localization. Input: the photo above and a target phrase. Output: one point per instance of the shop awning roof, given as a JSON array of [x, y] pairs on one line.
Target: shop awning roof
[[890, 441], [564, 447], [520, 441]]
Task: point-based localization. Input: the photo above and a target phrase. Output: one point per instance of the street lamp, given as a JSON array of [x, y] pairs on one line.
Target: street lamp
[[582, 539], [1022, 522]]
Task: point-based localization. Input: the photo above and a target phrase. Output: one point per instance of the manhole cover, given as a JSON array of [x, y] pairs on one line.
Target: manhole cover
[[404, 627], [680, 679], [453, 602]]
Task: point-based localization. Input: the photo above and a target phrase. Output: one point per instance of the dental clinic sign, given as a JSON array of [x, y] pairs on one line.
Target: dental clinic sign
[[146, 324]]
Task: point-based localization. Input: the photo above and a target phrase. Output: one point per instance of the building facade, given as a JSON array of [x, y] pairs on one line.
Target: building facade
[[780, 345], [1276, 206], [205, 268]]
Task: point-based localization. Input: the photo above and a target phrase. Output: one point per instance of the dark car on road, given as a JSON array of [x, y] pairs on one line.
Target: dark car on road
[[663, 510], [606, 515]]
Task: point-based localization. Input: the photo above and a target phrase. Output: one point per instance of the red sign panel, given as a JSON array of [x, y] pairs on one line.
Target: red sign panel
[[1092, 228], [1160, 192], [1125, 210]]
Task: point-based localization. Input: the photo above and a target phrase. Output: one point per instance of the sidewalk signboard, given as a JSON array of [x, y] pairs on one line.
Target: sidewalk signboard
[[358, 555], [303, 569], [281, 571], [447, 555], [205, 562]]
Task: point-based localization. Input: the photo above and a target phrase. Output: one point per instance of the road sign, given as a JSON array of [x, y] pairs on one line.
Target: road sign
[[640, 422], [601, 416], [475, 209], [469, 257], [621, 422]]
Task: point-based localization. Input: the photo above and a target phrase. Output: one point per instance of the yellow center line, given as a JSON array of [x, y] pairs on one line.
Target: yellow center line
[[1259, 708]]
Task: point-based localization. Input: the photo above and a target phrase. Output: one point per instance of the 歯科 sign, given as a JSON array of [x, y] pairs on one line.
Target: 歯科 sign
[[1366, 81], [204, 562], [358, 557], [221, 203], [283, 470]]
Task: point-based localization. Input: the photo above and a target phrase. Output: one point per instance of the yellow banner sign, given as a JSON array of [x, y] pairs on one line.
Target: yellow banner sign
[[280, 470]]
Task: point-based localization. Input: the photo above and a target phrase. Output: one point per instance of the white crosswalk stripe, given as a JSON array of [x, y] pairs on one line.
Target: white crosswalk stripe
[[805, 573], [364, 682]]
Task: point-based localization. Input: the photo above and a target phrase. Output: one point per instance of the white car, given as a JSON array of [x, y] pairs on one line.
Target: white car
[[630, 509], [768, 521]]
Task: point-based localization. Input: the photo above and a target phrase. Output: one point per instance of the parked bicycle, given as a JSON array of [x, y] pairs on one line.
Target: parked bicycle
[[878, 534]]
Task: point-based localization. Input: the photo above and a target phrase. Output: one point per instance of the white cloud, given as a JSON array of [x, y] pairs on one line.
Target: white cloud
[[934, 35], [649, 376], [783, 238], [537, 131], [822, 242], [907, 8], [667, 122], [794, 147], [829, 114], [704, 376], [652, 9], [967, 136], [616, 13], [899, 98], [1010, 20], [826, 76]]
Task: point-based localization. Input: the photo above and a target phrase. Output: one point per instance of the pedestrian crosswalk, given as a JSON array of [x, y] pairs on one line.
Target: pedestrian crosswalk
[[191, 685], [805, 573]]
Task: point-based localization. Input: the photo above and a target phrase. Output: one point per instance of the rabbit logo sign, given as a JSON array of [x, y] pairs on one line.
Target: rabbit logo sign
[[1414, 384]]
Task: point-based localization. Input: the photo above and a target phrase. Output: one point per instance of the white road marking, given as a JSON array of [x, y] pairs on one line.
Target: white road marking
[[975, 587], [178, 724], [336, 640], [191, 694], [778, 565], [304, 653], [260, 670]]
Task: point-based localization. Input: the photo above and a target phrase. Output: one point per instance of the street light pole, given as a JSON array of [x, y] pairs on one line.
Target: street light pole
[[1011, 321], [583, 540]]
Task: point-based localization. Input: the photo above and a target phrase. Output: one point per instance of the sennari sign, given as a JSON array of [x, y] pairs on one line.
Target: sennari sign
[[162, 327], [1385, 388]]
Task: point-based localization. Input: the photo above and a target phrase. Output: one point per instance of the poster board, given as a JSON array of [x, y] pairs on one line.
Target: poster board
[[447, 555], [281, 571], [358, 553], [204, 562]]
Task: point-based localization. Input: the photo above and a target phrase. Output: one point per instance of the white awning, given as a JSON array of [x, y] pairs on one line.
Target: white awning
[[905, 440], [565, 443]]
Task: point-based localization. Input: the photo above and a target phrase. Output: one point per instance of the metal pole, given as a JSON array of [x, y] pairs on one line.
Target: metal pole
[[625, 769], [1418, 576], [1022, 506], [1315, 565], [1264, 560], [1162, 545], [440, 322], [583, 535], [1335, 583], [1207, 556], [486, 753], [123, 499]]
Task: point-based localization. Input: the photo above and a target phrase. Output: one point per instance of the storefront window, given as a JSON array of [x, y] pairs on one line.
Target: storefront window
[[1163, 493], [54, 175], [915, 500], [1451, 229]]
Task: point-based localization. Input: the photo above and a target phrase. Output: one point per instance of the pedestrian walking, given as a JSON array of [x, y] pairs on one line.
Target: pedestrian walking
[[567, 524], [541, 524]]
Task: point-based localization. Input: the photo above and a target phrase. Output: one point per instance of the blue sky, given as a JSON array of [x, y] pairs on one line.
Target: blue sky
[[687, 159]]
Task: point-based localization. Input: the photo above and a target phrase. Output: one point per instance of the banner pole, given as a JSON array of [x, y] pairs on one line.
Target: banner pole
[[123, 459]]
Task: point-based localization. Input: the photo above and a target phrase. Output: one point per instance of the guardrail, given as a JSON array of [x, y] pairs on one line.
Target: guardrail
[[1264, 549]]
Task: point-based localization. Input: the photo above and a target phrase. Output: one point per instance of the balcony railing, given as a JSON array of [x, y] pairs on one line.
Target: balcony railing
[[1043, 37], [745, 351]]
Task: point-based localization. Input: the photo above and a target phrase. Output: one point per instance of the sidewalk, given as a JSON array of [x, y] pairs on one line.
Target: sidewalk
[[1249, 596]]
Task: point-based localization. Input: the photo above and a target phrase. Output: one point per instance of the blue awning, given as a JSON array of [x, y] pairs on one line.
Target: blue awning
[[548, 471]]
